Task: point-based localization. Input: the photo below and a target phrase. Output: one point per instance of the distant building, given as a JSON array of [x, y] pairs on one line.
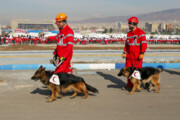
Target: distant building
[[169, 27], [154, 28], [124, 28], [162, 27], [151, 27], [118, 24], [148, 26], [34, 25]]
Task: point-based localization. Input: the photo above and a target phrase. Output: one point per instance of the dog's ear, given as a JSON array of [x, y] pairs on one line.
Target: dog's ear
[[40, 67], [44, 69]]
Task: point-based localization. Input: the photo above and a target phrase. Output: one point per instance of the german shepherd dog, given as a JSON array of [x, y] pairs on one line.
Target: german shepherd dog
[[68, 82], [148, 75]]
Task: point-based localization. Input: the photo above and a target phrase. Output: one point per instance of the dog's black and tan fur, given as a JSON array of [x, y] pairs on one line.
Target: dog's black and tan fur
[[68, 82], [148, 75]]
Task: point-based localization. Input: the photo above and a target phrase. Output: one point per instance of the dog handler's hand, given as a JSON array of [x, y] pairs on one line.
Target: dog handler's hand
[[62, 59], [55, 57], [123, 55], [141, 56]]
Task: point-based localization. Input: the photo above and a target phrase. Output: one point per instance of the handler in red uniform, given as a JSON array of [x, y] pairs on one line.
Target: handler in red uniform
[[65, 41], [135, 47]]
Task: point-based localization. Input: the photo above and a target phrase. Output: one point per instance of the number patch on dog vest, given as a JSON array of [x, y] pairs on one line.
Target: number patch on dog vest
[[136, 74], [54, 79]]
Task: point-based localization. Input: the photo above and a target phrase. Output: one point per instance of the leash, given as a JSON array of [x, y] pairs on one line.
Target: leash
[[59, 64], [138, 63], [134, 59], [55, 63]]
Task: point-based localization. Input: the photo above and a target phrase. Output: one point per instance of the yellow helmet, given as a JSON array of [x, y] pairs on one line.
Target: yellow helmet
[[60, 17]]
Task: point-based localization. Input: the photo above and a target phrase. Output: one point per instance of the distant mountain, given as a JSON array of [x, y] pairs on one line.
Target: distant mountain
[[164, 15]]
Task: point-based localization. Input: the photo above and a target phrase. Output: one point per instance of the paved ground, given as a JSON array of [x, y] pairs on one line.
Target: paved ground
[[24, 99]]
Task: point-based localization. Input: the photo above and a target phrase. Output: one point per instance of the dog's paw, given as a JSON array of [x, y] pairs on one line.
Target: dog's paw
[[72, 97], [59, 96], [139, 89], [50, 100], [156, 91], [130, 93], [84, 97]]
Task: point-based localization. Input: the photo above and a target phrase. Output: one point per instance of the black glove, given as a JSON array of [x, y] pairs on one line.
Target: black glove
[[55, 57]]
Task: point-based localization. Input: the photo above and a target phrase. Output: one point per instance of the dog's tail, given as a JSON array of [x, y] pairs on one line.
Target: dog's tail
[[160, 70], [92, 89]]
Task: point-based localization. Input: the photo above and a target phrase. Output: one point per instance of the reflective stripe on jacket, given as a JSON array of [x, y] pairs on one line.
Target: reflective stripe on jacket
[[135, 43], [65, 42]]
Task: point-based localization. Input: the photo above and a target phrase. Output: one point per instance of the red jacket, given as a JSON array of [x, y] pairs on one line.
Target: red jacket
[[65, 41], [135, 43]]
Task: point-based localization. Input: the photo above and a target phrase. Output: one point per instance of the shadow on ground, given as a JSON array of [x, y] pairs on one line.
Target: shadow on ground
[[172, 72], [47, 92], [118, 83]]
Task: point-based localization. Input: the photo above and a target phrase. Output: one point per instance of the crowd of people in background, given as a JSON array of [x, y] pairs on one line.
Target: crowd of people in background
[[33, 40], [22, 40]]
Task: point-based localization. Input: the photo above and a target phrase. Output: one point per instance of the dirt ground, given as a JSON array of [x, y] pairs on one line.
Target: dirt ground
[[80, 47], [23, 99]]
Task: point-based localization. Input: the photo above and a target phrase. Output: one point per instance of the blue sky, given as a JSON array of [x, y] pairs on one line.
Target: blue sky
[[79, 9]]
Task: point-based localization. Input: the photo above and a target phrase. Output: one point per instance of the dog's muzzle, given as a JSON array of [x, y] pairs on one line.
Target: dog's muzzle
[[34, 78], [120, 74]]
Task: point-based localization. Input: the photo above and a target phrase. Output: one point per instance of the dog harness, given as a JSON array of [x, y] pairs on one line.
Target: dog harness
[[55, 79], [136, 74]]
